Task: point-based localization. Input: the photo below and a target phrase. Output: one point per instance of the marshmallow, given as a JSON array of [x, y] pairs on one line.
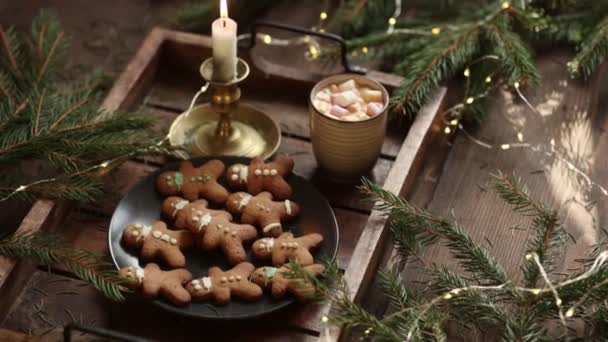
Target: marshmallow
[[323, 95], [370, 95], [344, 99], [355, 107], [348, 85], [322, 106], [374, 108], [338, 111]]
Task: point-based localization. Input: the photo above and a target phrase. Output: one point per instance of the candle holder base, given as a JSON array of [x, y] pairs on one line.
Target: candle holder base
[[251, 133]]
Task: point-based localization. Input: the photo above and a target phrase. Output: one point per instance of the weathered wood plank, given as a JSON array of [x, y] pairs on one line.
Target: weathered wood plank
[[14, 274], [567, 112]]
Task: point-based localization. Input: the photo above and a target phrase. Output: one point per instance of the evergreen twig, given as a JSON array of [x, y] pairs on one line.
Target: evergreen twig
[[47, 249]]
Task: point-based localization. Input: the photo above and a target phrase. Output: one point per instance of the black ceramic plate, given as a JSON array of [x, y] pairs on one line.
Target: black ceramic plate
[[143, 205]]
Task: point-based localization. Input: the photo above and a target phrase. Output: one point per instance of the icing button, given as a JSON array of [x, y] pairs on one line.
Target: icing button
[[157, 234], [274, 172], [266, 172], [234, 177], [223, 279], [173, 241], [235, 169], [257, 172], [135, 233], [231, 279], [238, 278], [233, 234]]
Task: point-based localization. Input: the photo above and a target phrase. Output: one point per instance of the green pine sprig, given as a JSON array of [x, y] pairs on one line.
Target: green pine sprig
[[45, 249]]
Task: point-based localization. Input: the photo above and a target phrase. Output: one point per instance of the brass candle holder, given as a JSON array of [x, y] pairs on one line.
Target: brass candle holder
[[225, 127]]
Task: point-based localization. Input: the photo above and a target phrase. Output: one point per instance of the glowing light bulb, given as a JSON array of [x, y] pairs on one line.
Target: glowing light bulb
[[447, 130], [467, 72], [392, 21], [267, 39], [436, 30], [454, 122], [447, 296], [535, 292], [323, 15], [516, 85], [488, 79], [570, 312], [470, 100], [324, 319], [506, 5], [365, 49], [505, 146], [528, 256], [520, 136]]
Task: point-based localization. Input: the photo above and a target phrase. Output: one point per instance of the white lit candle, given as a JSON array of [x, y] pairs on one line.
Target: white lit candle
[[223, 31]]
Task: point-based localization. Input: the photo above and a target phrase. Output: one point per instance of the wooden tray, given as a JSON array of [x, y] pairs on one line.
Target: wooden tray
[[160, 81]]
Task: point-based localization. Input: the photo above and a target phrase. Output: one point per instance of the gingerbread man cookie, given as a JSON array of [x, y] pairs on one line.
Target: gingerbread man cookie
[[194, 182], [260, 176], [154, 282], [213, 228], [279, 284], [188, 215], [220, 286], [287, 247], [261, 210], [158, 242]]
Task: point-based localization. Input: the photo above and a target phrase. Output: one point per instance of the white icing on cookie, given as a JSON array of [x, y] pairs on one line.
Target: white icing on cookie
[[179, 206], [207, 284], [204, 221], [157, 234], [139, 275], [266, 172], [234, 177], [165, 237], [274, 172], [244, 173], [288, 207], [235, 169], [244, 201], [271, 226], [257, 172], [269, 244]]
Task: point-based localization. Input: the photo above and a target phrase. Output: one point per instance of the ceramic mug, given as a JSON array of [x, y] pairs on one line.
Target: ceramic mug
[[347, 150]]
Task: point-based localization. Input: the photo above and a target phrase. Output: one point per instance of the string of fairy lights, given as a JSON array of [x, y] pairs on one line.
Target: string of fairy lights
[[597, 265]]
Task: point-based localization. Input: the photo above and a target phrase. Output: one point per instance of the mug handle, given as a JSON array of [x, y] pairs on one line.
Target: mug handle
[[297, 29]]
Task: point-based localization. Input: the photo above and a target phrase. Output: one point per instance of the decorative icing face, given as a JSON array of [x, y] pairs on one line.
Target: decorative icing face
[[237, 202], [264, 247], [262, 276], [174, 180], [238, 174], [135, 234], [133, 274]]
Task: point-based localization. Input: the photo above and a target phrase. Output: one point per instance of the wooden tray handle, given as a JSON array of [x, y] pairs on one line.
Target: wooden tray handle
[[255, 28]]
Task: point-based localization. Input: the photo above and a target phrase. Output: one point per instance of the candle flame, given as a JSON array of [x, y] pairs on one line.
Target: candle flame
[[223, 9]]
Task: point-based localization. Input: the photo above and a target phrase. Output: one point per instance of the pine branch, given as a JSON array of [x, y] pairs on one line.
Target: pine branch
[[594, 50], [548, 238], [417, 225], [46, 249], [515, 57]]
